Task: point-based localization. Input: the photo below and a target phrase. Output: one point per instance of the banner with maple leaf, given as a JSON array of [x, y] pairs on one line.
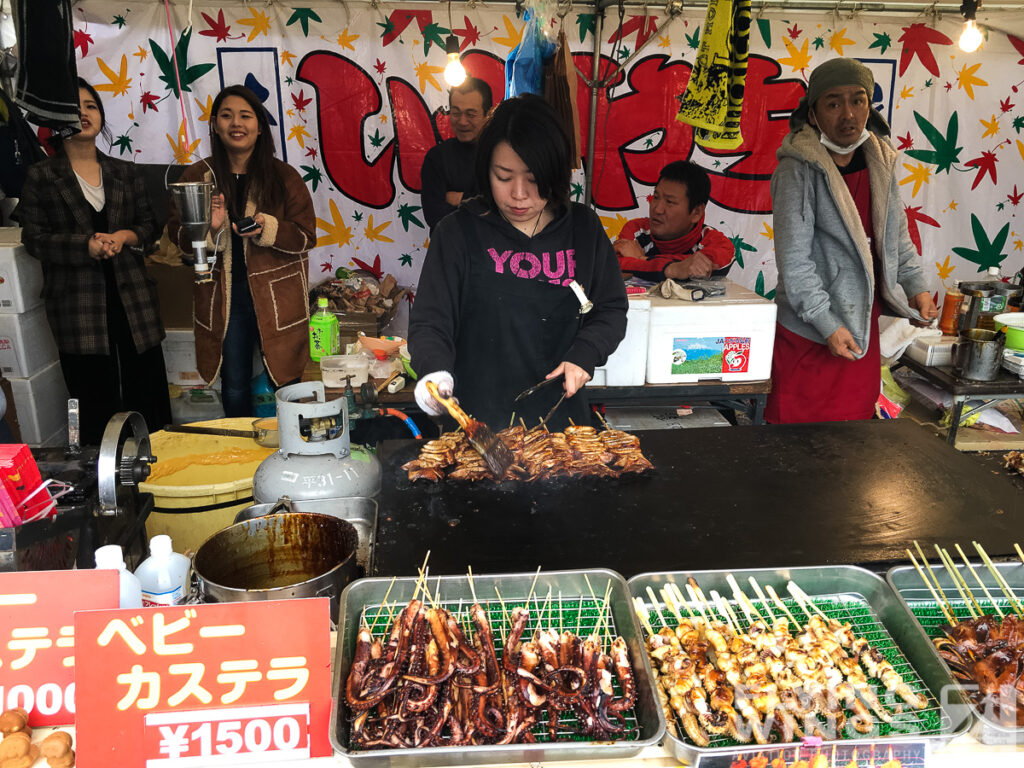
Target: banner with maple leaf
[[356, 97]]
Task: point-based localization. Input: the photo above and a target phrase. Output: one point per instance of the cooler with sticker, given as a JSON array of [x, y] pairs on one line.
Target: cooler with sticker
[[728, 337]]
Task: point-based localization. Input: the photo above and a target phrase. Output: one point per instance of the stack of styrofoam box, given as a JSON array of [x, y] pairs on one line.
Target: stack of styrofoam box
[[28, 353]]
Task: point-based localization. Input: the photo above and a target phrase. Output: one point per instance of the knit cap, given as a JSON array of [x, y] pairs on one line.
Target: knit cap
[[836, 73]]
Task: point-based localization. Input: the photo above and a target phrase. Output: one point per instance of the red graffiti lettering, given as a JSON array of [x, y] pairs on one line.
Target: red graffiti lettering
[[346, 98], [414, 130]]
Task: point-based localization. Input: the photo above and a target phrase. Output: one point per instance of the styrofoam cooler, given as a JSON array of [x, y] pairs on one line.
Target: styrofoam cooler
[[179, 348], [627, 365], [42, 403], [26, 344], [21, 275], [722, 338]]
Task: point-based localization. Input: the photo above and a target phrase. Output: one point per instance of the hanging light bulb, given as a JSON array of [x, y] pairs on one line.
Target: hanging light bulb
[[971, 37], [454, 72]]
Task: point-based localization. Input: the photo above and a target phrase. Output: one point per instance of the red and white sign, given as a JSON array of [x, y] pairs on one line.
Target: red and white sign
[[218, 684], [736, 354], [37, 638]]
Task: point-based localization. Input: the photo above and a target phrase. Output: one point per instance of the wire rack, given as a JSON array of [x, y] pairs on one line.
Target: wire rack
[[583, 616], [855, 610], [931, 618]]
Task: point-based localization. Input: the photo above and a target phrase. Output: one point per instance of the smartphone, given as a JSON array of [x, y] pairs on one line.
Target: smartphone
[[246, 225]]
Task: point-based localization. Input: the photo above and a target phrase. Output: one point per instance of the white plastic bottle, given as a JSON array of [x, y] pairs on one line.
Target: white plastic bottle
[[164, 574], [131, 592]]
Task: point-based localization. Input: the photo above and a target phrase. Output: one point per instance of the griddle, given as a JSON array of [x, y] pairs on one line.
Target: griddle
[[737, 497]]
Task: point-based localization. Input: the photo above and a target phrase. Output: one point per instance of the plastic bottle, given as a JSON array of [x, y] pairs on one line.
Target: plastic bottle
[[164, 574], [131, 592], [264, 404], [324, 336]]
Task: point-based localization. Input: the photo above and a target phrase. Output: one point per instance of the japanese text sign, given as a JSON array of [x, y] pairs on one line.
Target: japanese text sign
[[218, 684], [37, 638]]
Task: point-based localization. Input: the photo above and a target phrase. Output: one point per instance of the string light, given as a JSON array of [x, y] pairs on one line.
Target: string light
[[971, 37], [454, 72]]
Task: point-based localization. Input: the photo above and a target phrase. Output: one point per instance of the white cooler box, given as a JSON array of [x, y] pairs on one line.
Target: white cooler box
[[627, 365], [21, 276], [722, 338], [42, 403], [26, 344]]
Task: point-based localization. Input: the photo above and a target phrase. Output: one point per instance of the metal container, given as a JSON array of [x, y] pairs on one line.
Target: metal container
[[358, 510], [514, 588], [978, 354], [276, 557], [845, 583], [917, 600]]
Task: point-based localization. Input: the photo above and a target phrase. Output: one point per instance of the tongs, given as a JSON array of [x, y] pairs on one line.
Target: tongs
[[537, 387], [495, 453]]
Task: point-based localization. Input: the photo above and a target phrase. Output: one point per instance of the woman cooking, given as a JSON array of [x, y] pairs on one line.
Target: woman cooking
[[495, 312], [260, 282]]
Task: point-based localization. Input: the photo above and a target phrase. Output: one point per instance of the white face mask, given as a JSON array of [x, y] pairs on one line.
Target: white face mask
[[833, 147]]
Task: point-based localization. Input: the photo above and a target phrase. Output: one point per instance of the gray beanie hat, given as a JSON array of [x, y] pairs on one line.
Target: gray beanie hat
[[836, 73]]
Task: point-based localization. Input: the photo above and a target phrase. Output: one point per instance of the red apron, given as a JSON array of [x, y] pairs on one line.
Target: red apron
[[810, 384]]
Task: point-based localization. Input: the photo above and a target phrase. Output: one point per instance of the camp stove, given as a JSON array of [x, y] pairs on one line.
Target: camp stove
[[316, 459]]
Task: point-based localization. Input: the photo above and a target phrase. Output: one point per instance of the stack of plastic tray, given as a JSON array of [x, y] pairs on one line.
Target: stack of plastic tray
[[562, 600], [919, 601], [844, 593]]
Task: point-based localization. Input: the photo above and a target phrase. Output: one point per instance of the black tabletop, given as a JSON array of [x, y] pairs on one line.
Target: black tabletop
[[719, 498]]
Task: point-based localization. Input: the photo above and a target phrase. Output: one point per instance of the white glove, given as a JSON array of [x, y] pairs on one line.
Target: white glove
[[445, 386]]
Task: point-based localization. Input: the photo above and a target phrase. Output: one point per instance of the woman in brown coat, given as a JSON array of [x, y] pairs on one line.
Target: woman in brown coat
[[261, 279]]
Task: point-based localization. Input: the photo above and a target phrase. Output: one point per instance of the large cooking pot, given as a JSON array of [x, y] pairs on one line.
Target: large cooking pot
[[298, 554], [978, 354]]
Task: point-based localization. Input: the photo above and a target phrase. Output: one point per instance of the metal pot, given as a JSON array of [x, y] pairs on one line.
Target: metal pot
[[978, 354], [299, 554]]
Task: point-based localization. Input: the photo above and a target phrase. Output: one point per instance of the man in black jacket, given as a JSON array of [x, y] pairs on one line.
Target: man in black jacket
[[447, 175]]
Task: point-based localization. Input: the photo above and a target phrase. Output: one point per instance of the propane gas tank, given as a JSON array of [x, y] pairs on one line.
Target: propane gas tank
[[316, 459]]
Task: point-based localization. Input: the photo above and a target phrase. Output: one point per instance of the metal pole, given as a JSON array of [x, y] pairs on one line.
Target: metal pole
[[595, 85]]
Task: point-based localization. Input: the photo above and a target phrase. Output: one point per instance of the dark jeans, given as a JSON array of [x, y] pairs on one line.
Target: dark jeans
[[241, 337]]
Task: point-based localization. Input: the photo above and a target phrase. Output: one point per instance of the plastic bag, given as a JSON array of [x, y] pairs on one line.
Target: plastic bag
[[524, 68]]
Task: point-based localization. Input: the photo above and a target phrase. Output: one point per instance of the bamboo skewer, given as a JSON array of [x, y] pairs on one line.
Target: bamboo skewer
[[534, 584], [793, 588], [1020, 553], [697, 603], [383, 603], [944, 606], [654, 606], [928, 570], [761, 596], [999, 579], [641, 613], [782, 605], [965, 594]]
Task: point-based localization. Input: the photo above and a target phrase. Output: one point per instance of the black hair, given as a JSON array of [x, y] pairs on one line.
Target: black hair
[[474, 84], [264, 183], [533, 129], [696, 179], [56, 140]]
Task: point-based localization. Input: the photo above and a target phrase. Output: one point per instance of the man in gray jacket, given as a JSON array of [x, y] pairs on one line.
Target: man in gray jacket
[[842, 249]]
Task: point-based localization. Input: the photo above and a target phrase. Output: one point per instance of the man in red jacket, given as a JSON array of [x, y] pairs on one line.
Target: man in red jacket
[[673, 242]]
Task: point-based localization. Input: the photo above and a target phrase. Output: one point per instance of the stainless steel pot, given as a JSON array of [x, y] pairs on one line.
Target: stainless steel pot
[[297, 554], [978, 354]]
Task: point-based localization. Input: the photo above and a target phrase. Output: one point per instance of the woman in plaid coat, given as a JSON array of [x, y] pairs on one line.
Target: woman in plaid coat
[[87, 218]]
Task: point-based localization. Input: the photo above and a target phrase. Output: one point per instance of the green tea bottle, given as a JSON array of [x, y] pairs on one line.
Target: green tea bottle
[[324, 338]]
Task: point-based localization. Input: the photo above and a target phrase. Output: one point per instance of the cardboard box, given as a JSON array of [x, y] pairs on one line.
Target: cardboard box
[[627, 365], [932, 350], [42, 401], [26, 344], [21, 275], [722, 338], [174, 290]]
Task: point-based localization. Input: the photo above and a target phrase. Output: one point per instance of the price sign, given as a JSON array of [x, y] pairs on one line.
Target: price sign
[[37, 638], [219, 684]]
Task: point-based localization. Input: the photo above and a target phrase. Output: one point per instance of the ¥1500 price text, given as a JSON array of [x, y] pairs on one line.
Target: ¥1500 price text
[[227, 736]]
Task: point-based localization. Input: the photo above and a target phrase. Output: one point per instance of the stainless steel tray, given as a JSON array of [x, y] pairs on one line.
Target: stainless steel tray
[[361, 511], [917, 600], [876, 614], [514, 588]]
